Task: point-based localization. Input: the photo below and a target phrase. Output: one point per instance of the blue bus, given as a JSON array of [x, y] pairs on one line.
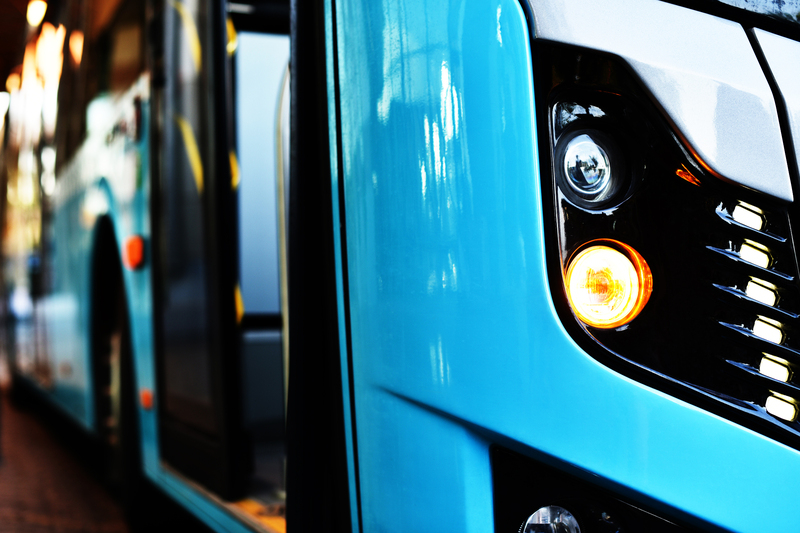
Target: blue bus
[[396, 265]]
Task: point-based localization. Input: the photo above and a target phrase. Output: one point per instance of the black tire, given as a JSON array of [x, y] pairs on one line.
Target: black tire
[[115, 394], [146, 507]]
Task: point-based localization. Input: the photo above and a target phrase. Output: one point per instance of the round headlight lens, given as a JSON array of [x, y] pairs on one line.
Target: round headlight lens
[[587, 167], [608, 285], [551, 519]]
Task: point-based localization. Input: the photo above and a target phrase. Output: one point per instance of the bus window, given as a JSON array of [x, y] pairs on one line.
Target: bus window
[[260, 66], [105, 56], [185, 318]]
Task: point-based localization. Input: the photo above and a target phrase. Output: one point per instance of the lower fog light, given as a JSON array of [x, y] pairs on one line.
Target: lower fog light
[[608, 284], [551, 519]]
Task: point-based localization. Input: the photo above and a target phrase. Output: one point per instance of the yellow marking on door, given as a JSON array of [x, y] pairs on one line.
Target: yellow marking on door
[[239, 304], [233, 38], [192, 152], [234, 169], [191, 32]]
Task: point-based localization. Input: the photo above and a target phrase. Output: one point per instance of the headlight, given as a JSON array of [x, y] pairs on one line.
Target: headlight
[[586, 167], [551, 519], [608, 284]]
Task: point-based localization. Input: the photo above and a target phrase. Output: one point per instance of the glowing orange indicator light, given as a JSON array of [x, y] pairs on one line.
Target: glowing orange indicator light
[[146, 399], [76, 46], [688, 176], [608, 284], [133, 254]]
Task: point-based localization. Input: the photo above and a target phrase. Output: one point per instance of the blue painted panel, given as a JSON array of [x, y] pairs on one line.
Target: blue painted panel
[[449, 298], [330, 66]]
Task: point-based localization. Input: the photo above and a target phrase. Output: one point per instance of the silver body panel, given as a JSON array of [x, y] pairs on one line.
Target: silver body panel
[[783, 56], [702, 72]]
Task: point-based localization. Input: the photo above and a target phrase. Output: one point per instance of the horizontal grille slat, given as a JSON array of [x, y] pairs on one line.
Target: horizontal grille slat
[[767, 272], [776, 312]]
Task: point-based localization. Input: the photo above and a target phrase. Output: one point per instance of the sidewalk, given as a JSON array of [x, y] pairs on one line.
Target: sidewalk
[[43, 488]]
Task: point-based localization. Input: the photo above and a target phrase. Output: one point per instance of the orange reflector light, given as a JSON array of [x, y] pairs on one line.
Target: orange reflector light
[[608, 284], [133, 255], [146, 399], [688, 176]]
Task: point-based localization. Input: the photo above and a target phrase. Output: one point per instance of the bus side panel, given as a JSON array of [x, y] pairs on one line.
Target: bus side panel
[[106, 177], [65, 314], [455, 341]]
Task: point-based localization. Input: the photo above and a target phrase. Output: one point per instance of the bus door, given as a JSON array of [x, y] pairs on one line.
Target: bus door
[[259, 46], [218, 320]]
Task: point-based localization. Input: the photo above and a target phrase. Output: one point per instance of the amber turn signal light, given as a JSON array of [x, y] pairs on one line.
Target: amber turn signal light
[[608, 284]]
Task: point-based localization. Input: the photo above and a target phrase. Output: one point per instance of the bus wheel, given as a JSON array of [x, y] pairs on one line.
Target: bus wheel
[[115, 406]]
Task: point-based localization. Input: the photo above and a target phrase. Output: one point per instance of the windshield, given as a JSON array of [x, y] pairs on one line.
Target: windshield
[[787, 10]]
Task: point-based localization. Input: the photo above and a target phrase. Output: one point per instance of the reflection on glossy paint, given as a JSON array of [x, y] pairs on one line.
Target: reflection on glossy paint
[[438, 162], [411, 83], [441, 133], [446, 279], [449, 104], [499, 35], [444, 155], [596, 111], [440, 367]]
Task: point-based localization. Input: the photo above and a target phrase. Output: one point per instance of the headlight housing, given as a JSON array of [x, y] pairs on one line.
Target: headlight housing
[[589, 167], [721, 327]]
